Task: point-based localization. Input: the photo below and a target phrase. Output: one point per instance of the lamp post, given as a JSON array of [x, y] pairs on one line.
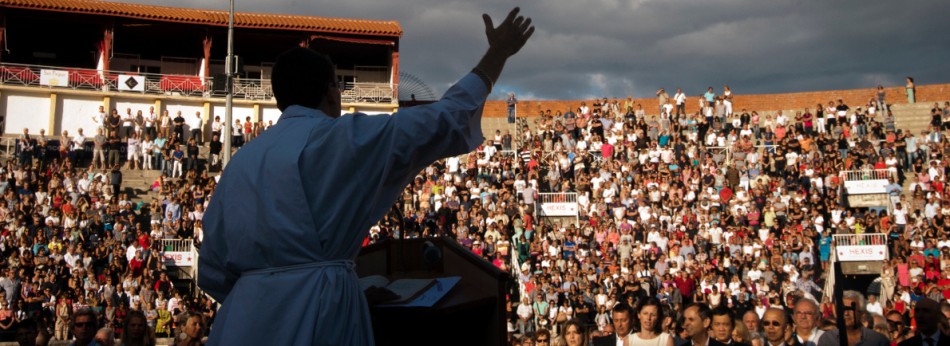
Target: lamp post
[[229, 88]]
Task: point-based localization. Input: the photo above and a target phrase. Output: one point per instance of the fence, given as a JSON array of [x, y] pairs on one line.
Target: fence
[[860, 239], [177, 245], [869, 174], [170, 84], [554, 197]]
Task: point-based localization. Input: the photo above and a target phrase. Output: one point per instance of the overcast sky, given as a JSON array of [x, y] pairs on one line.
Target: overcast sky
[[619, 48]]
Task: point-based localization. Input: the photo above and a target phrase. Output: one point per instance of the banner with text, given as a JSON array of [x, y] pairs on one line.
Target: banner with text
[[178, 259], [57, 78], [558, 209], [861, 253], [860, 187]]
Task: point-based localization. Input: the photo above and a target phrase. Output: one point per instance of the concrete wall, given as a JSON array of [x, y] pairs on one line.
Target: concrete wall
[[77, 112], [30, 107], [270, 114], [25, 110], [135, 104], [237, 112]]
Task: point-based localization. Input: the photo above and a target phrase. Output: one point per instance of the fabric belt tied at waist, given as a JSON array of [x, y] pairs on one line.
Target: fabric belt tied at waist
[[348, 264]]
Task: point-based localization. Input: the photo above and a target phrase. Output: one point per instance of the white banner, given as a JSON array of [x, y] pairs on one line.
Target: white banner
[[131, 83], [54, 78], [178, 259], [862, 253], [869, 200], [559, 209], [859, 187]]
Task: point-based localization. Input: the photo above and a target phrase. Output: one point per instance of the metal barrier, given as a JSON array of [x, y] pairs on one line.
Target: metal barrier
[[555, 197], [184, 85], [860, 239], [178, 245], [253, 89], [370, 92], [869, 174]]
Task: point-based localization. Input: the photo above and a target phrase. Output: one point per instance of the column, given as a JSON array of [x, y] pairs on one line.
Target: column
[[158, 111], [53, 100], [395, 77], [107, 104]]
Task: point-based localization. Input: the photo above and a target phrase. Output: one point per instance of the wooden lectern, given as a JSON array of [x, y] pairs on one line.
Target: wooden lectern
[[472, 313]]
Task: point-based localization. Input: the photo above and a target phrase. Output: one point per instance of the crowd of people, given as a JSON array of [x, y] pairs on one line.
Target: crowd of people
[[82, 254], [725, 209], [712, 225]]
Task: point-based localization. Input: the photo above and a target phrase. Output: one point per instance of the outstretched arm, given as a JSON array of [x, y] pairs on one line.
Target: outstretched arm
[[503, 42]]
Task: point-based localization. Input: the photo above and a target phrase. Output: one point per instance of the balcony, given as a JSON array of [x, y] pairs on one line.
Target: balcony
[[861, 247], [53, 77]]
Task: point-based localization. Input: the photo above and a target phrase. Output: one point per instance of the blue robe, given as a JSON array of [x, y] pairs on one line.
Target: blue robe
[[290, 212]]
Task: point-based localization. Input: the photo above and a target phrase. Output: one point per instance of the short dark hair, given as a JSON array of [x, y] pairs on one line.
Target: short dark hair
[[701, 309], [86, 312], [301, 76], [622, 307], [722, 311]]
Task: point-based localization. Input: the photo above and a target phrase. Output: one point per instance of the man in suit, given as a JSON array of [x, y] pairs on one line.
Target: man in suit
[[806, 322], [723, 323], [928, 316], [696, 322], [622, 315], [775, 323]]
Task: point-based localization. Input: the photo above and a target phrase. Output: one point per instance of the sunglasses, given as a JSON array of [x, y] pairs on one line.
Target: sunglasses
[[771, 323], [541, 340]]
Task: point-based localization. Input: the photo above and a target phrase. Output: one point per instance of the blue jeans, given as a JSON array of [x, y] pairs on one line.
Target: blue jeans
[[511, 115]]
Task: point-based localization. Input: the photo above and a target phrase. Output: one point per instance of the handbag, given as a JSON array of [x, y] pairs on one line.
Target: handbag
[[561, 317]]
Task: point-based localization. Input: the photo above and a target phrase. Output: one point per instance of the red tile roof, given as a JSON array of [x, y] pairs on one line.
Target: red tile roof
[[213, 17]]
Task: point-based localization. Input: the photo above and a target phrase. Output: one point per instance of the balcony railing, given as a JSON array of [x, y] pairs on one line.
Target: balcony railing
[[370, 93], [177, 245], [860, 239], [860, 247], [870, 174], [567, 197], [182, 85]]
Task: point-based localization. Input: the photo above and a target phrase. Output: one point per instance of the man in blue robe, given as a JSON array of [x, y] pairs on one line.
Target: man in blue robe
[[287, 219]]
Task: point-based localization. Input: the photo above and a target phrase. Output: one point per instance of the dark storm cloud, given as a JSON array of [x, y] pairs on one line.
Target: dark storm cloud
[[617, 48]]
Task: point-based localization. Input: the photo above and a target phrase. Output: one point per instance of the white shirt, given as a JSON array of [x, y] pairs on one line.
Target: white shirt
[[99, 119], [680, 98], [150, 119], [194, 122], [78, 141]]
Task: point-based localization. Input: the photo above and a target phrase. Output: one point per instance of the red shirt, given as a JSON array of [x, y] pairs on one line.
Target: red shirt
[[686, 286], [607, 150], [144, 241]]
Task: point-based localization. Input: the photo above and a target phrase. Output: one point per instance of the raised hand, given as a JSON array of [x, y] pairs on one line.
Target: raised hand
[[510, 35]]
